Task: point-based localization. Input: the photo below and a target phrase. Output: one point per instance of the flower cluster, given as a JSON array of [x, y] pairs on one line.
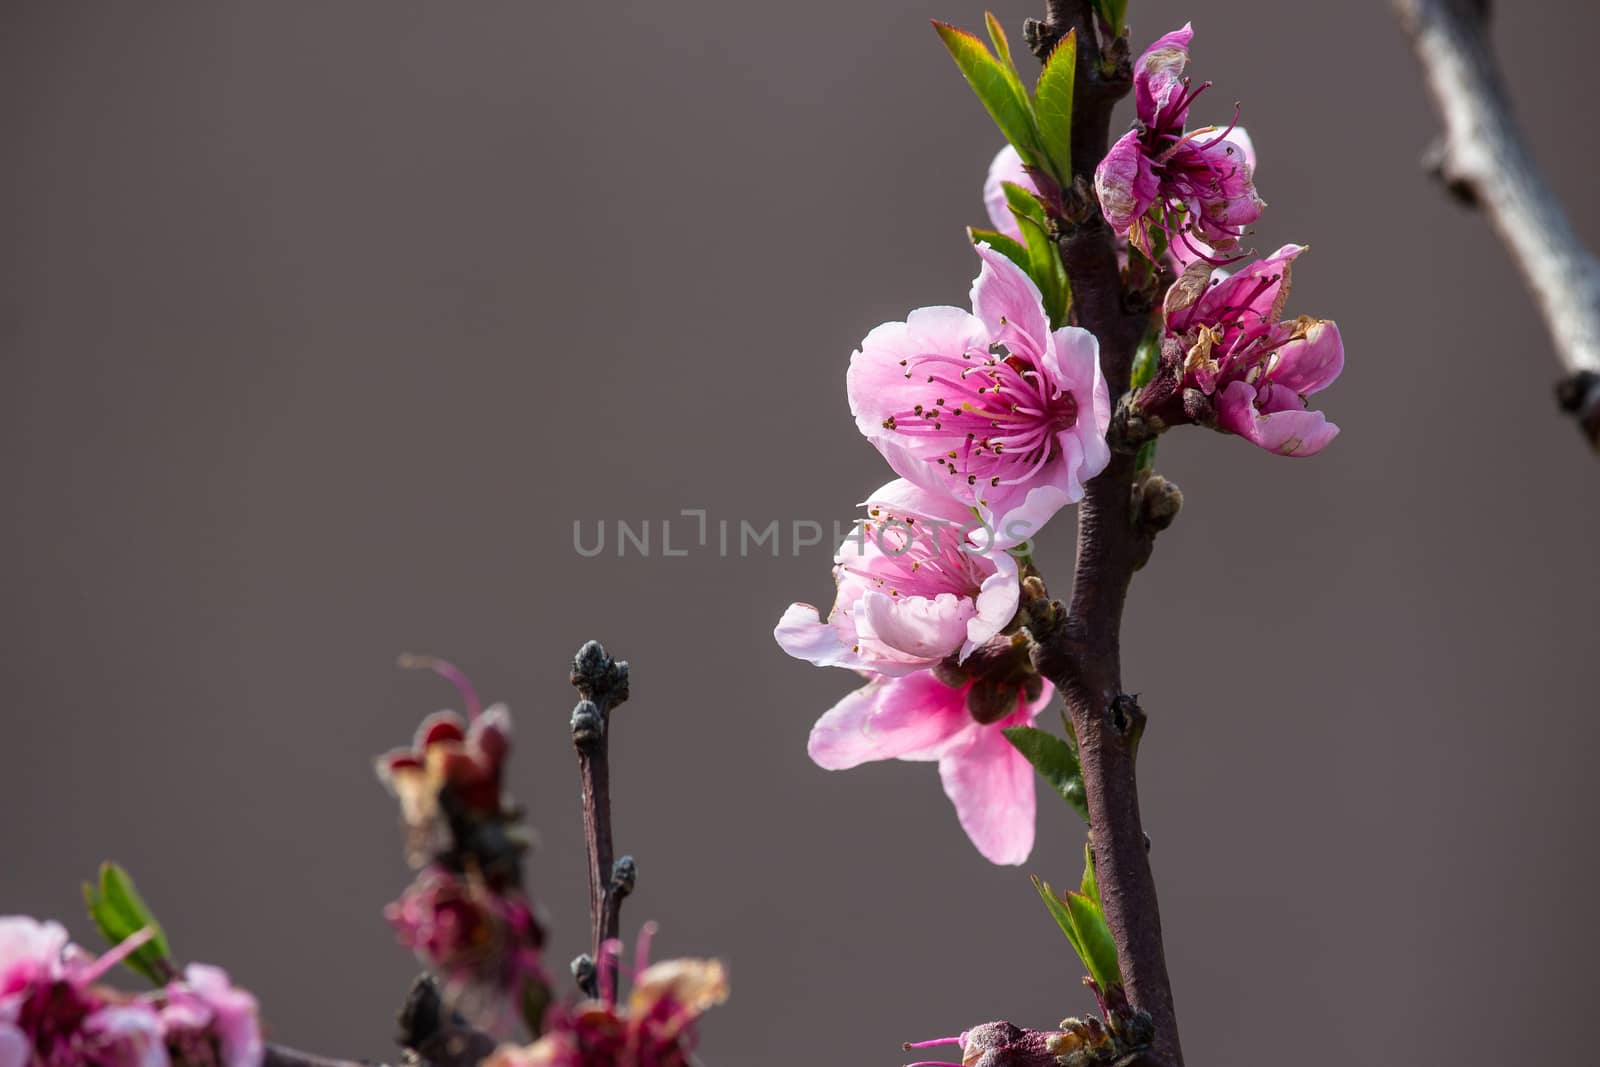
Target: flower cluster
[[653, 1027], [53, 1014], [1229, 357], [993, 421], [465, 915], [1193, 190]]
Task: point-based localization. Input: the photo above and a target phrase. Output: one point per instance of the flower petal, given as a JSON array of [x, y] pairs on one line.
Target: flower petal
[[887, 718], [1311, 363], [1009, 304], [1285, 432], [991, 786], [919, 627], [804, 634], [1007, 167]]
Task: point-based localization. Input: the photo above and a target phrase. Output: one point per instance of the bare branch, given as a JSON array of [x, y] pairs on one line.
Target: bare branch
[[1483, 160], [602, 682]]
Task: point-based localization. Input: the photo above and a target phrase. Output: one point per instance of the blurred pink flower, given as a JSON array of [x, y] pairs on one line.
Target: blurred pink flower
[[483, 943], [991, 408], [653, 1027], [209, 1021], [1006, 167]]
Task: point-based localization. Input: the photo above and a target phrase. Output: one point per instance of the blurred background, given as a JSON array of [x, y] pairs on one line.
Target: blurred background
[[322, 324]]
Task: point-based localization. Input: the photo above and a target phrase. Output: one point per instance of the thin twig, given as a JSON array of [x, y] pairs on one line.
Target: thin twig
[[603, 684], [1081, 654], [1483, 160]]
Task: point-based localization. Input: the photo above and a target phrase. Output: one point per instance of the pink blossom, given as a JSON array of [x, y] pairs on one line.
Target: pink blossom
[[914, 587], [210, 1022], [991, 408], [1257, 367], [1200, 183], [920, 717], [53, 1013], [1006, 167]]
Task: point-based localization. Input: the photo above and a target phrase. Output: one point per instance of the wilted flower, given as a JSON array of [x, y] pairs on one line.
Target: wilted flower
[[991, 408], [654, 1027], [1002, 1044], [1226, 338], [1199, 183], [914, 586], [483, 943], [462, 756]]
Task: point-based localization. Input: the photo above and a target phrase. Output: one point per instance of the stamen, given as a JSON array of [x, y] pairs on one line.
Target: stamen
[[129, 945], [411, 661]]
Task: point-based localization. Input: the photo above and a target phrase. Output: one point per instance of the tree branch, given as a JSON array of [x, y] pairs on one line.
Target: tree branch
[[603, 684], [1483, 161], [1081, 653]]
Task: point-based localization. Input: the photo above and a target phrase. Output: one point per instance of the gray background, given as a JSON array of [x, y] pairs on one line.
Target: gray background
[[322, 323]]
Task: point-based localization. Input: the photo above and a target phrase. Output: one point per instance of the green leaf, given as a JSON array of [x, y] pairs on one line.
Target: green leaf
[[119, 912], [1146, 458], [1113, 13], [1052, 107], [1098, 949], [1055, 761], [1088, 916], [998, 88], [1006, 246], [1002, 47], [1059, 912], [1022, 202], [1044, 267], [1081, 919], [1146, 358]]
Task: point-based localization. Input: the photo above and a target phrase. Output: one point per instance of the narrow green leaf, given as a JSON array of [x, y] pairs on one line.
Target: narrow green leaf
[[1005, 245], [1055, 761], [1045, 268], [1146, 459], [1099, 948], [1052, 106], [1089, 887], [1022, 202], [1002, 49], [1058, 911], [1146, 358], [119, 912], [1113, 13], [997, 87]]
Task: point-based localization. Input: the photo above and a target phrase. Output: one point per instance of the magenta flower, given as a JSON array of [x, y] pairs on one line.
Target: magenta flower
[[1257, 368], [209, 1022], [921, 717], [914, 587], [991, 408], [1196, 187]]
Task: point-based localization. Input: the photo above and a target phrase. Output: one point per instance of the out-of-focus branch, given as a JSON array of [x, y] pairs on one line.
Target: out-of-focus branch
[[1483, 161], [602, 682]]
